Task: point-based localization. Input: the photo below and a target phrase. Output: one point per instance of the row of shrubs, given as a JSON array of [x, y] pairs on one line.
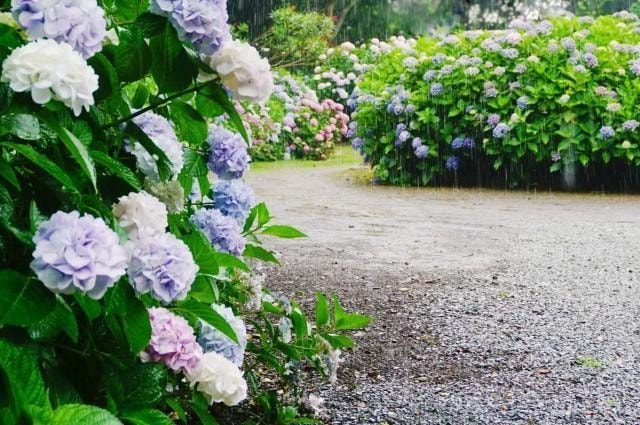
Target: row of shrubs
[[544, 103]]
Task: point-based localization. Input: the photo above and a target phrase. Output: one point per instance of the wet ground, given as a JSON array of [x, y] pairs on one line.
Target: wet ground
[[490, 307]]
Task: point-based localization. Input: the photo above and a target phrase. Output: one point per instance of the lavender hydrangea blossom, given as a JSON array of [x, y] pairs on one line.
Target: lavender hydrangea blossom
[[421, 151], [229, 158], [173, 342], [522, 102], [493, 120], [500, 130], [436, 89], [224, 233], [416, 142], [212, 340], [77, 254], [453, 163], [357, 143], [607, 132], [234, 198], [630, 125], [162, 266], [202, 22], [79, 23], [468, 143], [457, 143]]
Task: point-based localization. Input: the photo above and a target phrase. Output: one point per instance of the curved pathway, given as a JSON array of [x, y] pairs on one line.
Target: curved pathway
[[490, 307]]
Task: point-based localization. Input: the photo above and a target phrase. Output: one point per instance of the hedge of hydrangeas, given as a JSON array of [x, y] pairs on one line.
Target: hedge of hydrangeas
[[520, 106], [126, 228]]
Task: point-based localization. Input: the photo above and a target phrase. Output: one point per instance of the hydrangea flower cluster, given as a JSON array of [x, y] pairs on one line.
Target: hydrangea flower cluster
[[501, 130], [606, 132], [233, 198], [202, 22], [161, 132], [173, 342], [77, 254], [161, 265], [453, 163], [78, 23], [399, 102], [141, 215], [219, 380], [51, 71], [229, 157], [224, 233], [212, 340]]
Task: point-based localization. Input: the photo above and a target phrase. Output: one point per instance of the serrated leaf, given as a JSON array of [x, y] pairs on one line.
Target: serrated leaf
[[191, 126], [215, 92], [23, 300], [132, 57], [149, 24], [258, 252], [60, 319], [83, 414], [171, 66], [116, 168], [23, 126], [202, 252], [146, 417], [44, 163], [143, 386], [132, 315], [20, 366]]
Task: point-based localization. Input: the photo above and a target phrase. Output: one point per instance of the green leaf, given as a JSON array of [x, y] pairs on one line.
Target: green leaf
[[143, 386], [23, 126], [24, 301], [22, 371], [230, 262], [177, 409], [132, 315], [206, 313], [216, 93], [60, 319], [79, 153], [201, 408], [171, 66], [7, 173], [203, 253], [127, 10], [322, 310], [162, 161], [300, 325], [146, 417], [107, 77], [191, 126], [338, 341], [116, 168], [90, 306], [348, 321], [202, 290], [140, 97], [132, 57], [208, 107], [149, 24], [286, 232], [83, 414], [254, 251], [44, 163], [263, 214]]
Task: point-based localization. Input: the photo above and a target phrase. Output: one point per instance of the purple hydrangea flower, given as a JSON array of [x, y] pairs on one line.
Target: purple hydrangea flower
[[410, 109], [436, 89], [635, 67], [357, 143], [493, 120], [416, 142], [510, 53], [522, 102], [79, 23], [630, 125], [224, 233], [212, 340], [468, 143], [446, 70], [421, 151], [229, 158], [607, 132], [500, 130], [202, 22], [568, 43], [453, 163], [491, 92], [590, 60], [400, 128], [234, 198], [162, 266], [173, 342], [77, 254], [430, 75], [404, 136], [555, 156], [457, 143]]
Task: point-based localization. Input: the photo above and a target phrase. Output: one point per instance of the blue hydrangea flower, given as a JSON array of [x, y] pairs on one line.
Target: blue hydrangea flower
[[229, 158], [436, 89], [410, 109], [234, 198], [630, 125], [224, 233], [79, 23], [510, 53], [416, 142], [77, 254], [400, 128], [429, 75], [468, 143], [635, 67], [568, 43], [522, 102], [590, 60], [457, 143], [161, 265], [453, 163], [202, 22], [357, 143], [422, 151], [500, 130], [212, 340], [493, 120], [404, 136], [607, 132]]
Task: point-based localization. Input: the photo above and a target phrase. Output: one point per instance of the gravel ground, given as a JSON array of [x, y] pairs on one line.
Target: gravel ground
[[490, 307]]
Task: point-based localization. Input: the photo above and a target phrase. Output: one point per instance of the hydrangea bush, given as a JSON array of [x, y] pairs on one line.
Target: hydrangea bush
[[126, 232], [533, 104]]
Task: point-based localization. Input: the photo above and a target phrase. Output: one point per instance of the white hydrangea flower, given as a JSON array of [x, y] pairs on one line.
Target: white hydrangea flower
[[243, 71], [170, 193], [141, 215], [219, 380], [51, 70]]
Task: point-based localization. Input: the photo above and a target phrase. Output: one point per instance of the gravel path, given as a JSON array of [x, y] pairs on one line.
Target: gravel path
[[490, 307]]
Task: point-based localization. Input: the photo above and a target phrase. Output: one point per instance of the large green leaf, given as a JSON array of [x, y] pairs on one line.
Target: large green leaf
[[255, 251], [21, 369], [60, 319], [216, 93], [132, 315], [23, 126], [204, 312], [107, 77], [23, 300], [203, 254], [6, 172], [80, 153], [132, 57], [322, 310], [146, 417], [44, 163], [286, 232], [83, 414], [144, 386], [171, 66], [191, 126], [116, 168], [348, 321]]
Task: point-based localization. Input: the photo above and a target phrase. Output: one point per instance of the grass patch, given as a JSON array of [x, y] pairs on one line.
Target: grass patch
[[343, 156], [588, 362]]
